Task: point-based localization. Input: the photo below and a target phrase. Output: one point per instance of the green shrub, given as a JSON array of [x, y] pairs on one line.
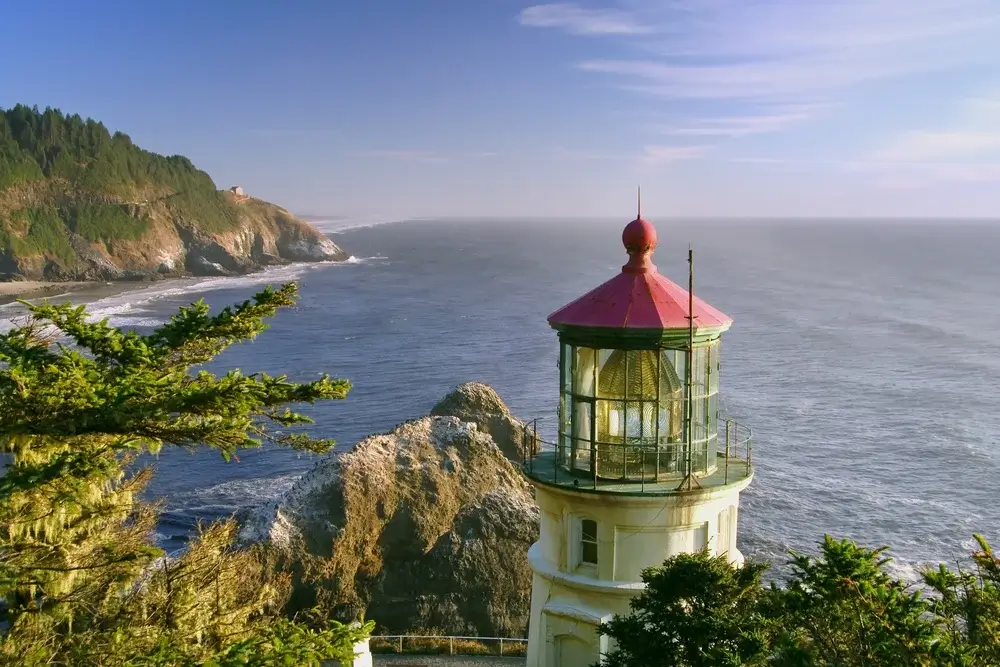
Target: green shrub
[[104, 223], [46, 235]]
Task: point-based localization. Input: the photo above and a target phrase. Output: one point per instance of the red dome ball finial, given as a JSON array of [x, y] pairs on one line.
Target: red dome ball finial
[[639, 239], [639, 236]]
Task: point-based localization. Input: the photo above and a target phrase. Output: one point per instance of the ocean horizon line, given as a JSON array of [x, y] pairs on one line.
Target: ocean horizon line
[[755, 218]]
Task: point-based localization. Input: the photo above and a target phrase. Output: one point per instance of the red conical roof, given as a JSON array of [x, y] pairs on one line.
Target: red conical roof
[[639, 297]]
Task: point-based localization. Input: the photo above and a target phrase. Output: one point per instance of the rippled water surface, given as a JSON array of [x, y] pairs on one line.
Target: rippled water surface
[[864, 356]]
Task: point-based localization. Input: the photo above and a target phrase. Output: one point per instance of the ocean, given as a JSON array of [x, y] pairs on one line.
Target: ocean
[[864, 356]]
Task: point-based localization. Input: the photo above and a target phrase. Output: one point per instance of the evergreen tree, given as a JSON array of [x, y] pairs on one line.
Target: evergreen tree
[[85, 179], [838, 609], [80, 575], [968, 604], [842, 609], [696, 611]]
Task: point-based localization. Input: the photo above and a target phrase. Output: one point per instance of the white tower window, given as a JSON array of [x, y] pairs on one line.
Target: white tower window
[[588, 542]]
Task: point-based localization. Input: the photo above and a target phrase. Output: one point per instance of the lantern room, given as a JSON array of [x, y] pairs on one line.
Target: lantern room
[[639, 375]]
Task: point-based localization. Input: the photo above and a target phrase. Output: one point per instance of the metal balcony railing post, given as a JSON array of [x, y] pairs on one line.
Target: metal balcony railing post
[[727, 449], [534, 437]]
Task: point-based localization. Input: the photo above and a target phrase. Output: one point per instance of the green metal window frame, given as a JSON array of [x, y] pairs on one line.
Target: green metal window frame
[[579, 444]]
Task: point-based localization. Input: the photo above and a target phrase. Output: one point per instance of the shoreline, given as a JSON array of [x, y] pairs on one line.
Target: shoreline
[[85, 292], [15, 290]]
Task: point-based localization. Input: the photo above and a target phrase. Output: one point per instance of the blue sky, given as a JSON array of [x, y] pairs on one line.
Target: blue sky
[[501, 107]]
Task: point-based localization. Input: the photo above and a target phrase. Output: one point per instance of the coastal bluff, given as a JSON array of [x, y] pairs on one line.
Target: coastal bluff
[[80, 203], [425, 528]]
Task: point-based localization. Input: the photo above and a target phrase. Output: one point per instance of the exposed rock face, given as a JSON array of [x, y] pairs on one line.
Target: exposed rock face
[[479, 403], [256, 235], [426, 527]]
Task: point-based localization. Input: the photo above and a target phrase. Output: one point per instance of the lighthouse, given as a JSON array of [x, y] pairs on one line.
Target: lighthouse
[[643, 467]]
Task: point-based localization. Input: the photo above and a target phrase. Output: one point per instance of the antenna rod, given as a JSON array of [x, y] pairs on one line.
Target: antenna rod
[[638, 204], [690, 361]]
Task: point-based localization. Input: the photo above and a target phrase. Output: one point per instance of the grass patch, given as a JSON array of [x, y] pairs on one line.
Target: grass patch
[[447, 646]]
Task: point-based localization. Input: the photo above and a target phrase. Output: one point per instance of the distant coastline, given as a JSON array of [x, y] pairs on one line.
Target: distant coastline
[[109, 211], [321, 218]]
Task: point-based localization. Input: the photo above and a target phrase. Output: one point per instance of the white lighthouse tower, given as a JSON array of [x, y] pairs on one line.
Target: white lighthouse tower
[[643, 468]]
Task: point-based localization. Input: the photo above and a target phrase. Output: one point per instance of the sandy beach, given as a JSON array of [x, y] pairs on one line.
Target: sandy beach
[[22, 289], [82, 292]]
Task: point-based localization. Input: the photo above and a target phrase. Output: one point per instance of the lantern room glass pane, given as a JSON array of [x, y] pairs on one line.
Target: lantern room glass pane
[[715, 367], [624, 411], [633, 422], [566, 449], [627, 374], [582, 418], [671, 397], [566, 368], [584, 371], [673, 370], [699, 372], [610, 421]]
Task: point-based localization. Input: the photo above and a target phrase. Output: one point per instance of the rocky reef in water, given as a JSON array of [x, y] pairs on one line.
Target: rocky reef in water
[[423, 528]]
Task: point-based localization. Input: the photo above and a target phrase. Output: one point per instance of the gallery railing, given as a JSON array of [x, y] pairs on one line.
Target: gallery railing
[[640, 463], [448, 645]]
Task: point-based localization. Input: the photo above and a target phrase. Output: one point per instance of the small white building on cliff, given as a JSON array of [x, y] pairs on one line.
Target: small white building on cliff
[[643, 468]]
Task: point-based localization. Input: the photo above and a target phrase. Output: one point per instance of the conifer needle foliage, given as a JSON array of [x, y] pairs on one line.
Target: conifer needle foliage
[[840, 608], [81, 579]]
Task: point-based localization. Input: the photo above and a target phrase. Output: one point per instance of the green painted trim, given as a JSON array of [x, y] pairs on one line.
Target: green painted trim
[[635, 339], [638, 492]]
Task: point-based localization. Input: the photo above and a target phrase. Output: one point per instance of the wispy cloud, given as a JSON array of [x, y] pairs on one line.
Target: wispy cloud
[[424, 156], [406, 155], [973, 135], [650, 155], [893, 174], [582, 154], [667, 154], [292, 133], [733, 69], [579, 21], [924, 174], [924, 146], [742, 126], [786, 50]]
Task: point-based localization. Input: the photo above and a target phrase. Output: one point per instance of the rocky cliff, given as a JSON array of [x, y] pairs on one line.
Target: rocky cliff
[[168, 242], [480, 404], [424, 528], [80, 203]]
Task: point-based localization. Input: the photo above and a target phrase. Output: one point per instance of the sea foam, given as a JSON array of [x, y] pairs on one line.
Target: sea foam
[[136, 307]]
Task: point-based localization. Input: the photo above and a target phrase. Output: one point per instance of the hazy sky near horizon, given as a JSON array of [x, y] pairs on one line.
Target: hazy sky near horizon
[[504, 107]]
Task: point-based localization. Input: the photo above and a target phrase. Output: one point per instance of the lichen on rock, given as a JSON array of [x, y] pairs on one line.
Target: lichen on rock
[[423, 528], [479, 403]]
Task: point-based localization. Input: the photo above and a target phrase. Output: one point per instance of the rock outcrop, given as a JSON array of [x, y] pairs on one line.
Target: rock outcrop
[[423, 528], [480, 404], [257, 234]]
